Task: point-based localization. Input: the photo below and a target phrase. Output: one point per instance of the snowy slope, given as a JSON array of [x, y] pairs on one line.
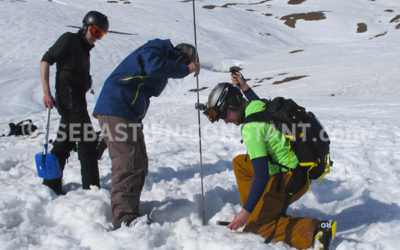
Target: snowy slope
[[349, 79]]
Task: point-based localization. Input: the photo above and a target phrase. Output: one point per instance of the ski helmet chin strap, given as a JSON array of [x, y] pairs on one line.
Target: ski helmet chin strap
[[82, 31], [242, 111]]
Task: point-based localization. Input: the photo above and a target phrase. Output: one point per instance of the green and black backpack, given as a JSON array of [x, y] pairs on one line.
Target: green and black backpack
[[304, 133]]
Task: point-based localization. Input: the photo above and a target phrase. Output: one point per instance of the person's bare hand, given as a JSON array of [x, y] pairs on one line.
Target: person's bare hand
[[48, 101], [238, 80], [239, 220], [194, 67]]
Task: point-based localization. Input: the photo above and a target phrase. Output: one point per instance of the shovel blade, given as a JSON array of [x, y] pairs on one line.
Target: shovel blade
[[48, 166]]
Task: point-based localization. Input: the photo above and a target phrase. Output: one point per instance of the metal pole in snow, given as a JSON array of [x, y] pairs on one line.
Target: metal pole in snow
[[198, 118]]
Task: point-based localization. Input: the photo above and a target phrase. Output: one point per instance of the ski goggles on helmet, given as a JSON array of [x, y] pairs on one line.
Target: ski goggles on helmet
[[96, 31], [214, 114]]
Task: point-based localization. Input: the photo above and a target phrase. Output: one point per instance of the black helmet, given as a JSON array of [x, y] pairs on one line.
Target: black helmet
[[223, 96], [96, 18], [189, 50]]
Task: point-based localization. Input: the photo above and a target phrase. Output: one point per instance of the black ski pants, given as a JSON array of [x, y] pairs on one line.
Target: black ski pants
[[76, 130]]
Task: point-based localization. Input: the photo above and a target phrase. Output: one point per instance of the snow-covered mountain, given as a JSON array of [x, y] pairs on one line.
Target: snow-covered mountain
[[338, 58]]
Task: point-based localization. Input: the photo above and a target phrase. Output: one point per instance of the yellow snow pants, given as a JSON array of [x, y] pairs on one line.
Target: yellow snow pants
[[295, 231]]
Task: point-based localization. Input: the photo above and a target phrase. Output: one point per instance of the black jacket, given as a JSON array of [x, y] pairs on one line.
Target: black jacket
[[71, 55]]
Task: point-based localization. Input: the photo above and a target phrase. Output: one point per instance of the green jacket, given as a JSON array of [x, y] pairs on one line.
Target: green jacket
[[263, 140]]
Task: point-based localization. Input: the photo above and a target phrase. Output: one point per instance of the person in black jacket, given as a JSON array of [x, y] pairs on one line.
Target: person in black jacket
[[71, 53]]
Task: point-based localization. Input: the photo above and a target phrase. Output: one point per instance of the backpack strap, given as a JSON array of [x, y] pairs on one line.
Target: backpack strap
[[23, 121], [269, 158], [327, 169], [262, 116], [328, 165]]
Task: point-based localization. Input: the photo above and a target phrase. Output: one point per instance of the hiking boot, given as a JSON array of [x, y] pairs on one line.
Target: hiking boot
[[60, 192], [324, 233], [130, 222], [55, 185]]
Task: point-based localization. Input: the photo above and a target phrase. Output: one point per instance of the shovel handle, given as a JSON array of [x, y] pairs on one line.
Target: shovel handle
[[46, 136]]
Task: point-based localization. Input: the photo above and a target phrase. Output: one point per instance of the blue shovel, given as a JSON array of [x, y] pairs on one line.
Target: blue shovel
[[47, 164]]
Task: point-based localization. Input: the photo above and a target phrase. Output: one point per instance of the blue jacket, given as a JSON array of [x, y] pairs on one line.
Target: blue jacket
[[142, 74]]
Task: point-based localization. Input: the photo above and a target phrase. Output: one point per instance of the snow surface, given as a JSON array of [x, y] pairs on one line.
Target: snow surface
[[350, 80]]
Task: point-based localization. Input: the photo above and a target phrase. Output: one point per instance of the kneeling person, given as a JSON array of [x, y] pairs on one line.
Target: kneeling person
[[264, 174]]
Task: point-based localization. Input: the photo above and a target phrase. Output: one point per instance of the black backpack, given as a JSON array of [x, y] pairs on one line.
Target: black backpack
[[25, 127], [304, 132]]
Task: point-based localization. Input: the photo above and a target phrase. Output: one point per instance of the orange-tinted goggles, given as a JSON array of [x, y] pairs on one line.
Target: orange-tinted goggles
[[213, 115], [96, 31]]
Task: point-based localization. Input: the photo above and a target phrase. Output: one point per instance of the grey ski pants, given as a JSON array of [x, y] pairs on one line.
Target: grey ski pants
[[127, 150]]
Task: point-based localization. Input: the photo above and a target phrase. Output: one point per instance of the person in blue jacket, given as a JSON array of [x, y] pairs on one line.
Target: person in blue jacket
[[120, 109]]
